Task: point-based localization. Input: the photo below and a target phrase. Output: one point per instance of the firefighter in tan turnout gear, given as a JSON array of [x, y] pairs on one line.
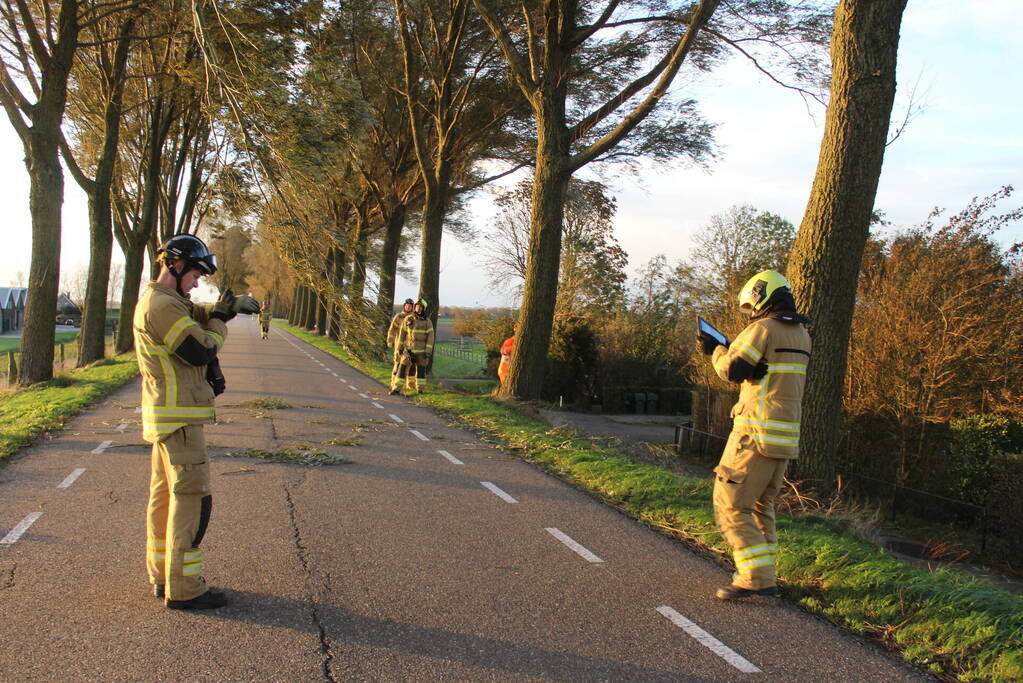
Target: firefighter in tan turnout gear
[[177, 342], [413, 349], [265, 316], [768, 359], [392, 337]]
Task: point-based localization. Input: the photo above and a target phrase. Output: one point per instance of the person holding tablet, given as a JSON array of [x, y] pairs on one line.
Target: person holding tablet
[[768, 360]]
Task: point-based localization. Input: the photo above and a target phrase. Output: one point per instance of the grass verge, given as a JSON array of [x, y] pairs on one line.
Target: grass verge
[[942, 621], [26, 414]]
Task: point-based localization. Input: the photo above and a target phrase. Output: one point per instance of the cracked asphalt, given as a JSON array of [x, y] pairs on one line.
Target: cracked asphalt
[[408, 564]]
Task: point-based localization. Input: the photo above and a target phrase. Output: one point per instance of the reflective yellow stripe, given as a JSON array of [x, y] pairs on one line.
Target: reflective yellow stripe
[[793, 369], [754, 550], [177, 411], [770, 424], [748, 351], [154, 349], [763, 562], [176, 330], [216, 338]]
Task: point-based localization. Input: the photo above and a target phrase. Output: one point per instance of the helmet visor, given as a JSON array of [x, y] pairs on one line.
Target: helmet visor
[[207, 264]]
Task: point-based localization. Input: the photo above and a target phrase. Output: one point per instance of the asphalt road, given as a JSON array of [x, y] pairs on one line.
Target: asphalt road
[[432, 557]]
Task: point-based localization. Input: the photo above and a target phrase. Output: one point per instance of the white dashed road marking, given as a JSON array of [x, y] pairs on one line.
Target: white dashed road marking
[[70, 479], [395, 418], [15, 533], [452, 458], [102, 447], [567, 540], [498, 492], [363, 395], [121, 427], [710, 642], [420, 435], [378, 405], [138, 409]]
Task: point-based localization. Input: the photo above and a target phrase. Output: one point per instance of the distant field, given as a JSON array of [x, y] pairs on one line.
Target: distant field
[[14, 343]]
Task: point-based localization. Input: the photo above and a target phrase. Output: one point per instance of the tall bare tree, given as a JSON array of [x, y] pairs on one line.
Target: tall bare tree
[[40, 41], [825, 261]]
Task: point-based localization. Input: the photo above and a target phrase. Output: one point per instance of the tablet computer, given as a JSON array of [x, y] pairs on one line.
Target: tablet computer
[[714, 333]]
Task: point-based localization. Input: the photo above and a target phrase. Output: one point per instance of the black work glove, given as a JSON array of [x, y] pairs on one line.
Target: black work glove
[[215, 376], [245, 304], [760, 369], [224, 309], [706, 344]]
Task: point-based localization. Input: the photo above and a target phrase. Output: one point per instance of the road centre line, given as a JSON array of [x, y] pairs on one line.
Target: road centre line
[[395, 418], [361, 395], [378, 405], [121, 427], [567, 540], [70, 479], [493, 488], [453, 459], [352, 387], [138, 409], [710, 642], [420, 435], [14, 534], [102, 447]]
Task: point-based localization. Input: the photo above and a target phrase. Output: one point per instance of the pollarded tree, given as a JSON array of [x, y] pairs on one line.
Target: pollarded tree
[[825, 261], [594, 74]]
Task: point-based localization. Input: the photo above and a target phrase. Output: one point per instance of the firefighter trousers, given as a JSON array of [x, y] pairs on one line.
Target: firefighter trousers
[[178, 513], [411, 373], [746, 487]]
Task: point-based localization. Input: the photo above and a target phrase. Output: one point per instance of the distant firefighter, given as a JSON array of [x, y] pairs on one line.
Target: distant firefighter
[[413, 349]]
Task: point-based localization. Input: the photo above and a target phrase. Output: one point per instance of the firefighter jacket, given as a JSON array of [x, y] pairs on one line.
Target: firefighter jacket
[[174, 342], [265, 316], [392, 331], [770, 407], [415, 334]]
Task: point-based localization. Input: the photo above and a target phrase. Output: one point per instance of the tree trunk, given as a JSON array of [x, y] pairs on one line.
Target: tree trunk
[[389, 260], [311, 305], [338, 275], [134, 257], [46, 195], [825, 262], [536, 318], [434, 210], [92, 338]]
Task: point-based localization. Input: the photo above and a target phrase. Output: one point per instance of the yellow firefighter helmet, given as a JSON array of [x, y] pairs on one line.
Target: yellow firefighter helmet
[[759, 289]]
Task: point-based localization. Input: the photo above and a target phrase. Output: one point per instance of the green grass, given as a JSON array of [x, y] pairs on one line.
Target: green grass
[[26, 414], [14, 343], [450, 367], [478, 388], [941, 621]]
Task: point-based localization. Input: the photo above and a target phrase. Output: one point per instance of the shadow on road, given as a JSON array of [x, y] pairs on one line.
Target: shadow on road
[[338, 626]]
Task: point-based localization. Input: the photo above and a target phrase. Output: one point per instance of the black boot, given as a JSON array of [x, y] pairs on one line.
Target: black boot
[[209, 600], [736, 593]]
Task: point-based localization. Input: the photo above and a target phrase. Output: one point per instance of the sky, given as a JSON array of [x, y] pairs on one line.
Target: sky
[[961, 60]]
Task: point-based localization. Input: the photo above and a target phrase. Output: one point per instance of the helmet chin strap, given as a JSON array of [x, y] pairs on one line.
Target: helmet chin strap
[[177, 278]]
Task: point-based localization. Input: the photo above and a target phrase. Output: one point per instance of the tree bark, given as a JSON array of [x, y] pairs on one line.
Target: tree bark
[[337, 309], [434, 211], [389, 260], [134, 257], [46, 195], [536, 317], [92, 339], [825, 262]]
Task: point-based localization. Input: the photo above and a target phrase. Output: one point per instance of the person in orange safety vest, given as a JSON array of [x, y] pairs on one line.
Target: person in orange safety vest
[[506, 352]]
